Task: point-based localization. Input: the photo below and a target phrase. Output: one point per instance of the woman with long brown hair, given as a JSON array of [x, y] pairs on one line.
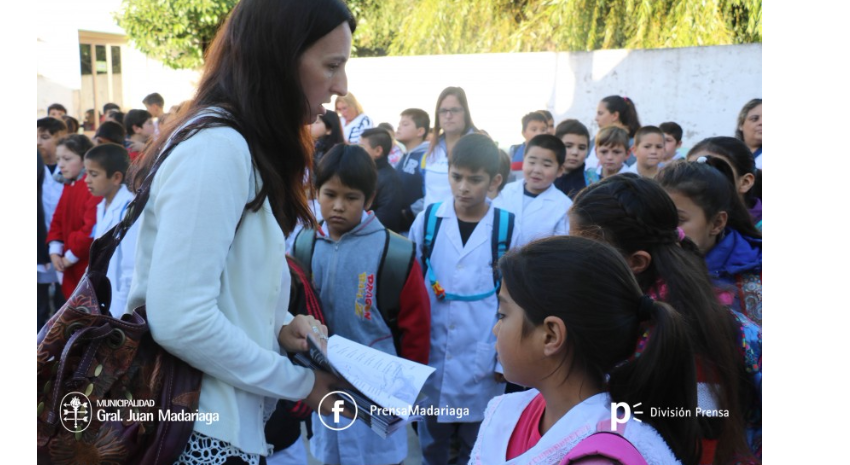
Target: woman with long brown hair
[[210, 262]]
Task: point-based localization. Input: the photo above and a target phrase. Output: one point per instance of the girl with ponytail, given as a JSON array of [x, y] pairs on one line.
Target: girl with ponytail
[[575, 326], [638, 218]]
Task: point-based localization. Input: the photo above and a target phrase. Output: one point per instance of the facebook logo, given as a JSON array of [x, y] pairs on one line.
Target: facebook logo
[[340, 422]]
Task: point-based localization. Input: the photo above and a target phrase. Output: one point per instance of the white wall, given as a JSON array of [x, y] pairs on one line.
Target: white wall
[[701, 88]]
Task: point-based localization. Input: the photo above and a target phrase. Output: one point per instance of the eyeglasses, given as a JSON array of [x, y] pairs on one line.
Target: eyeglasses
[[453, 111]]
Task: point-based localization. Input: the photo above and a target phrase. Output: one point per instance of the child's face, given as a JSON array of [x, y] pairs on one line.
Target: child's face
[[515, 352], [469, 188], [611, 157], [341, 206], [70, 164], [540, 168], [670, 146], [98, 182], [407, 131], [703, 231], [56, 113], [47, 143], [650, 151], [318, 129], [154, 109], [551, 129], [534, 128], [374, 152], [576, 151], [147, 129]]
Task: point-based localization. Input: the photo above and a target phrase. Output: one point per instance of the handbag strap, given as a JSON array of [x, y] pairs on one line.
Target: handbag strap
[[104, 247]]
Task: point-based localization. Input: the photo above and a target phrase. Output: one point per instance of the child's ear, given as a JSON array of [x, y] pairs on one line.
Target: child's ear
[[117, 178], [368, 204], [496, 181], [554, 335], [561, 169], [679, 144], [718, 223], [639, 261], [746, 183], [420, 132]]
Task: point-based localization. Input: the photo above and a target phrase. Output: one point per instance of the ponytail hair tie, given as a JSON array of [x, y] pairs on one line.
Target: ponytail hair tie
[[702, 159], [681, 233], [645, 306], [625, 98]]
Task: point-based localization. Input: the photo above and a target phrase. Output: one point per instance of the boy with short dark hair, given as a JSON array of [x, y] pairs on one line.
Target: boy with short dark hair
[[576, 139], [649, 151], [612, 150], [413, 133], [550, 121], [370, 286], [540, 208], [154, 104], [388, 201], [533, 123], [110, 132], [56, 110], [460, 241], [140, 130], [672, 141], [106, 168]]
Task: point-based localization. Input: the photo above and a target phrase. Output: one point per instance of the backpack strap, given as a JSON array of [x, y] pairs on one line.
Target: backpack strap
[[606, 444], [432, 227], [503, 230], [302, 250], [393, 270]]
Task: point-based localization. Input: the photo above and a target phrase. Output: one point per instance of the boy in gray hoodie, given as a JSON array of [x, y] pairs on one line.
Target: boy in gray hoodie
[[349, 254]]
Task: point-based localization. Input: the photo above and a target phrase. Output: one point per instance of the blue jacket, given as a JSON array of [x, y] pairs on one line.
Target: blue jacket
[[735, 265]]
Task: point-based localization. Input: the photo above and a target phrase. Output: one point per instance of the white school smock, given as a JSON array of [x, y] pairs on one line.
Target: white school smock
[[217, 296], [120, 272], [543, 216], [581, 421], [463, 347]]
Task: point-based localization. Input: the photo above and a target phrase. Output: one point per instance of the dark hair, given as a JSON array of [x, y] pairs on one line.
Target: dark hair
[[324, 143], [504, 168], [711, 186], [115, 115], [738, 155], [547, 114], [612, 135], [467, 117], [110, 106], [533, 116], [77, 143], [634, 214], [549, 142], [135, 118], [52, 125], [476, 152], [111, 158], [571, 126], [420, 119], [154, 99], [72, 123], [672, 129], [626, 108], [379, 137], [112, 132], [251, 71], [647, 130], [57, 106], [589, 286], [387, 126], [354, 167], [739, 134]]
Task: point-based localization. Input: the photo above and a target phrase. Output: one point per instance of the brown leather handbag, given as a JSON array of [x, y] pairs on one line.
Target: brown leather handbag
[[107, 392]]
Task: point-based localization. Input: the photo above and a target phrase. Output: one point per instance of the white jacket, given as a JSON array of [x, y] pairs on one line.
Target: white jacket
[[120, 272], [581, 421], [544, 216], [216, 296]]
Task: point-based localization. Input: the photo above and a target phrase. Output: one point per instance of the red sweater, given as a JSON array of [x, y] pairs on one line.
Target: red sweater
[[72, 224]]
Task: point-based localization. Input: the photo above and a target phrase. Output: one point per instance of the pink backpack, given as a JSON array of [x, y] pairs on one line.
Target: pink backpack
[[607, 444]]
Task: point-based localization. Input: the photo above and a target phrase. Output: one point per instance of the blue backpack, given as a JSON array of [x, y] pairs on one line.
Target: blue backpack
[[503, 228]]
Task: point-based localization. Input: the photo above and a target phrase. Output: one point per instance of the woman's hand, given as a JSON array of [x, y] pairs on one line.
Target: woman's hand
[[293, 337], [326, 383], [57, 261]]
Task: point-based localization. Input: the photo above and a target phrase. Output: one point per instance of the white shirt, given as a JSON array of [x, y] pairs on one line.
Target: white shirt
[[216, 296], [120, 272], [538, 217], [351, 130]]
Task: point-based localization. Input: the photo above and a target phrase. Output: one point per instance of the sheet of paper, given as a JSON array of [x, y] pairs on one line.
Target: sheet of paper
[[390, 381]]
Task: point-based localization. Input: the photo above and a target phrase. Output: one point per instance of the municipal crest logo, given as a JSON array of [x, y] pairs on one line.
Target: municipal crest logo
[[75, 412]]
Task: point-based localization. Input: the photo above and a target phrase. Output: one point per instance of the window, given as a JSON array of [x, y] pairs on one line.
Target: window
[[101, 78]]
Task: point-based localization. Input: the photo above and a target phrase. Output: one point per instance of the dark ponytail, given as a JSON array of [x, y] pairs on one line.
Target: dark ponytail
[[627, 110], [737, 154], [589, 286], [635, 214]]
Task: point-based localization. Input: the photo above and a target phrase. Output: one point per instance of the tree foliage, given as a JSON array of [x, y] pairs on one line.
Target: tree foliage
[[177, 32]]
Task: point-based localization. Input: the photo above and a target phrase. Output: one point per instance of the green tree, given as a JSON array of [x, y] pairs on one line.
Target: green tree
[[176, 32]]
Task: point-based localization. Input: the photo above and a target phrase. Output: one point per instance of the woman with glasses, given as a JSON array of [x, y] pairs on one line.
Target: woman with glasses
[[453, 122]]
